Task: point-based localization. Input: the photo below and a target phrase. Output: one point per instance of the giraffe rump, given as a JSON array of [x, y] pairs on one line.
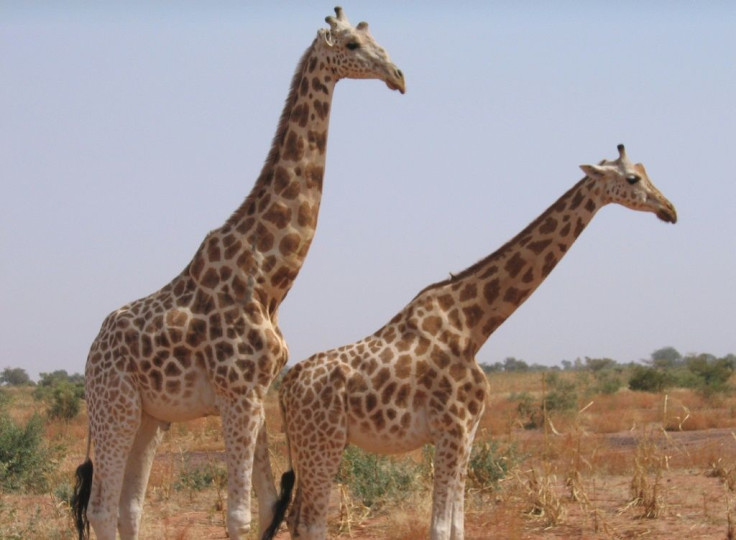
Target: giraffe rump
[[80, 498], [279, 509]]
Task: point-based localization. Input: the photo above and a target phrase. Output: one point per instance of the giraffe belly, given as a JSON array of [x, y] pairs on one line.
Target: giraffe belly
[[390, 435], [182, 402]]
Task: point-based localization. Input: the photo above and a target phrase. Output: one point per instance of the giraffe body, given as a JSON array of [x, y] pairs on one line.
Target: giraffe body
[[416, 380], [208, 342]]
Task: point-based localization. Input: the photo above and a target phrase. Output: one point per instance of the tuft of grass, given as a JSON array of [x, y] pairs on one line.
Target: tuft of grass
[[542, 502], [16, 528], [726, 472], [646, 485], [200, 477]]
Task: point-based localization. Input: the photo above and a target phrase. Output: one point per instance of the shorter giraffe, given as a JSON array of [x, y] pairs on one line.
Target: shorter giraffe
[[416, 381]]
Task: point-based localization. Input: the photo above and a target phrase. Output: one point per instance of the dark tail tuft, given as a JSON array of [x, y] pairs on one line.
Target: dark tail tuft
[[279, 510], [80, 498]]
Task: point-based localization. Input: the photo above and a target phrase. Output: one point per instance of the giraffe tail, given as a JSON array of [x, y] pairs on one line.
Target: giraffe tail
[[80, 497], [282, 503]]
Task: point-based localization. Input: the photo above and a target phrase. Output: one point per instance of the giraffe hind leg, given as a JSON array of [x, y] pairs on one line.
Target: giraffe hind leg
[[137, 472], [264, 485], [113, 428], [315, 474], [281, 505]]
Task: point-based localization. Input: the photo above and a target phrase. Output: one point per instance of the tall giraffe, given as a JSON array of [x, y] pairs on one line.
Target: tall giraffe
[[415, 380], [208, 342]]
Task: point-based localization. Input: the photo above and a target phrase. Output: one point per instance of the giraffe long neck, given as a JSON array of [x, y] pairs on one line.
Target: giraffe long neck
[[259, 251], [482, 297]]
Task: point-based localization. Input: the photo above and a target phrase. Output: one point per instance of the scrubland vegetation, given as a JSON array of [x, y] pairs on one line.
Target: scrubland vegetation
[[594, 449]]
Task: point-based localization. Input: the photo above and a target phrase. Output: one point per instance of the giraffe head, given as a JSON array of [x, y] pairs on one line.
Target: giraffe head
[[626, 183], [354, 54]]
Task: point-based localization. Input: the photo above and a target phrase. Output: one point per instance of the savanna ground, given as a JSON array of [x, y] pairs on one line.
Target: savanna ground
[[621, 465]]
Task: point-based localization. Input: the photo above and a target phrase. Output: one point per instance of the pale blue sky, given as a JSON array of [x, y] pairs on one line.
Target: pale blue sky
[[129, 130]]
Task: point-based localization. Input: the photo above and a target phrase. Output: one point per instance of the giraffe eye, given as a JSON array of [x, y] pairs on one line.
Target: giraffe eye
[[353, 45], [633, 178]]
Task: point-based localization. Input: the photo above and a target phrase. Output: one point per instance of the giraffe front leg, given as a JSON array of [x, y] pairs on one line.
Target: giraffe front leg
[[241, 420], [458, 501], [136, 476], [448, 498]]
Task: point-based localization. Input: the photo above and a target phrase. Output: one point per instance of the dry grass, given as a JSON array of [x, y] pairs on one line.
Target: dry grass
[[625, 465]]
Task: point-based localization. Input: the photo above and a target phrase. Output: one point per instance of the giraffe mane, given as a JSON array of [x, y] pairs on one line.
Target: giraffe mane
[[500, 251], [273, 155]]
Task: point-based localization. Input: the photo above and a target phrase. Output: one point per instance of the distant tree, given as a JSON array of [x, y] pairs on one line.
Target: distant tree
[[60, 375], [713, 372], [492, 368], [666, 357], [542, 367], [599, 364], [15, 377], [512, 364], [61, 392], [566, 365]]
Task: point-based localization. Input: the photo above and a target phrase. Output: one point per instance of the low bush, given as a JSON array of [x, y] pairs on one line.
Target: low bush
[[62, 393], [373, 479], [26, 462], [488, 465], [649, 379]]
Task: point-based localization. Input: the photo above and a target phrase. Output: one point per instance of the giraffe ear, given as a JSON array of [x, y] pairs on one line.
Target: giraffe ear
[[592, 171], [326, 36]]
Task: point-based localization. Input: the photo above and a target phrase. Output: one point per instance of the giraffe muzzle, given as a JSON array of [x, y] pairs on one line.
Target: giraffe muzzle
[[395, 80]]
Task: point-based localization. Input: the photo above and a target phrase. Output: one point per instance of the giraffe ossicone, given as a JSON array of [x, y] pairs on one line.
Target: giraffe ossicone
[[415, 380], [208, 342]]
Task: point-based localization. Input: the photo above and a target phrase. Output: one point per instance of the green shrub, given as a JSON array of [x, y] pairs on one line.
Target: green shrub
[[25, 461], [374, 479], [712, 373], [66, 401], [682, 377], [488, 465], [561, 394], [607, 382], [649, 379], [4, 399], [528, 409], [62, 396]]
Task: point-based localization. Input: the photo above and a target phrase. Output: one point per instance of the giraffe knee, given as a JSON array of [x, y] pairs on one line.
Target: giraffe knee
[[129, 520], [239, 524], [102, 521]]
